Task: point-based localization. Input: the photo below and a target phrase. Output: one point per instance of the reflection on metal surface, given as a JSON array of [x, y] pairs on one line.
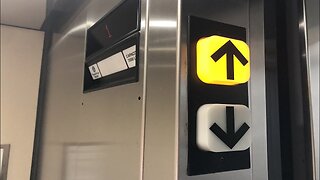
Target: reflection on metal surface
[[85, 162], [161, 49], [313, 44], [74, 30], [89, 23], [163, 24], [302, 25]]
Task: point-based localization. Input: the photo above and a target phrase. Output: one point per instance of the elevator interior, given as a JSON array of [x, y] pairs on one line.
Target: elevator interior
[[137, 119]]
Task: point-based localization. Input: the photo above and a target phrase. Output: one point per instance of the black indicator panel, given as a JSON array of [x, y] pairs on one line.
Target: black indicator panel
[[112, 48], [121, 22], [116, 66], [200, 93]]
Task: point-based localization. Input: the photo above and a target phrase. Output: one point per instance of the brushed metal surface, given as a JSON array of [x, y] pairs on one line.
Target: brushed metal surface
[[160, 157], [257, 90], [105, 126], [248, 14]]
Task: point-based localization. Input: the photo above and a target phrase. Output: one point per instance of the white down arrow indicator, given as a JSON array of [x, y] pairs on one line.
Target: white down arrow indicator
[[223, 127]]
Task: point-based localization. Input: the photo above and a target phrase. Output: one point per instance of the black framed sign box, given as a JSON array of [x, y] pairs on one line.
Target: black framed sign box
[[112, 48]]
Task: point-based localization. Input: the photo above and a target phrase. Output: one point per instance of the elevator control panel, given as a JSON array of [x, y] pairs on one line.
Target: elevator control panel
[[112, 48], [219, 117]]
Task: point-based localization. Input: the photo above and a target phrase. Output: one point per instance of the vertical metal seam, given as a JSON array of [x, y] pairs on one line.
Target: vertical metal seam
[[177, 100], [307, 62], [261, 5], [249, 87], [144, 91]]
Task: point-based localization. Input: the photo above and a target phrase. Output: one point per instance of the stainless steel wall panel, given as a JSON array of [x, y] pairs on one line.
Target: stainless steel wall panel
[[160, 160], [97, 135], [61, 107]]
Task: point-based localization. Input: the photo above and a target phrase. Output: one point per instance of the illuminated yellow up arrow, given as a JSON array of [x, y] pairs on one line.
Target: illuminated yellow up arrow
[[230, 50], [223, 61]]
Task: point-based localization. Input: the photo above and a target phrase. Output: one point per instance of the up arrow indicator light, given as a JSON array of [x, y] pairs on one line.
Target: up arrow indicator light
[[230, 138], [223, 61], [230, 50]]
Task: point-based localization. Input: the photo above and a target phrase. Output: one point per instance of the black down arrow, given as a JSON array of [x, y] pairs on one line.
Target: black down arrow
[[231, 138], [229, 49]]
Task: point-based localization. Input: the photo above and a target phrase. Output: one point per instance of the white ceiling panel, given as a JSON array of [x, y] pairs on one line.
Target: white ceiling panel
[[23, 13]]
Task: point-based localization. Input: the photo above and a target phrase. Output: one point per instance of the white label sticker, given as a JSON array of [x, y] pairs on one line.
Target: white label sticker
[[223, 127], [112, 64], [130, 55], [94, 71]]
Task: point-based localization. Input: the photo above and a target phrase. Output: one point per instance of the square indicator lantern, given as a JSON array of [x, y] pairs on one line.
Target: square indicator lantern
[[222, 61], [223, 127]]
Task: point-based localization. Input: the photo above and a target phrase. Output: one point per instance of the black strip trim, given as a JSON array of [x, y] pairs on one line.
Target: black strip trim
[[21, 27], [124, 58], [99, 70], [36, 156], [275, 165]]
